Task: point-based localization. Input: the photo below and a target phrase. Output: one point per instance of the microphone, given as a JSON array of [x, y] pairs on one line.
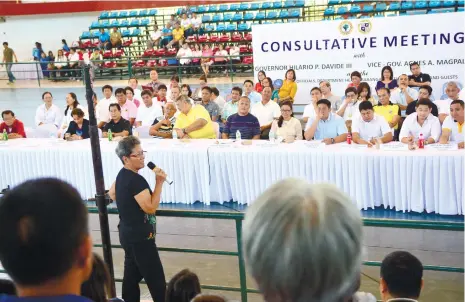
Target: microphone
[[152, 166]]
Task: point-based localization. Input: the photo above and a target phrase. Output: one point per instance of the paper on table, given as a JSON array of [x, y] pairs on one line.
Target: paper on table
[[394, 146], [315, 144], [443, 147]]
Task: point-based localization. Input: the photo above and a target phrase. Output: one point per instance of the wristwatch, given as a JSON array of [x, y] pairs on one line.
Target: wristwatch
[[184, 131], [332, 141]]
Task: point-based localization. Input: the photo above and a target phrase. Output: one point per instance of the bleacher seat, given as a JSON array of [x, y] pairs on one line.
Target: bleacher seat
[[135, 32], [113, 15], [104, 15], [85, 35], [277, 4], [152, 12], [95, 24], [206, 18], [255, 5], [461, 2], [248, 37], [379, 16], [300, 3], [333, 2], [368, 8], [217, 18], [114, 23], [249, 16], [236, 37], [421, 4], [283, 14], [213, 8], [394, 6], [380, 7], [227, 17], [209, 27], [294, 13], [355, 9], [231, 27], [135, 22], [244, 6], [272, 15], [127, 43], [342, 10], [434, 4], [123, 14], [220, 27], [223, 38], [142, 13], [124, 23], [133, 14], [448, 3], [233, 7], [193, 9], [201, 9], [223, 7], [289, 3], [406, 5], [95, 34], [266, 5], [329, 11], [243, 27], [213, 38], [237, 17], [145, 22], [126, 33], [260, 16], [105, 24], [346, 1], [460, 9]]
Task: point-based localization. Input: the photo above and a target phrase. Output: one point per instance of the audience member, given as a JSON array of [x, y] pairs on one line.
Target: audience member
[[7, 287], [134, 84], [160, 96], [183, 287], [424, 92], [417, 78], [421, 122], [355, 79], [349, 108], [234, 54], [118, 125], [37, 51], [230, 107], [196, 55], [242, 121], [48, 113], [154, 82], [116, 39], [266, 112], [289, 88], [74, 64], [325, 125], [218, 99], [98, 286], [193, 121], [184, 54], [44, 64], [79, 127], [163, 126], [370, 128], [209, 298], [197, 95], [8, 55], [403, 95], [155, 37], [65, 46], [364, 93], [310, 109], [101, 110], [178, 35], [186, 90], [317, 224], [61, 62], [452, 128], [174, 82], [249, 92], [401, 277], [206, 60], [13, 127], [267, 82], [71, 103], [174, 94], [287, 126], [221, 57], [335, 100], [186, 25], [51, 56], [212, 107], [173, 19], [261, 77], [104, 39], [452, 91], [148, 113], [47, 250], [167, 35], [130, 96], [128, 108], [386, 109], [387, 79], [196, 24]]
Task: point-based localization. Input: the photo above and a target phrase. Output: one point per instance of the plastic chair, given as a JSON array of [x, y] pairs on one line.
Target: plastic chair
[[294, 13], [368, 8], [216, 128], [394, 6], [194, 9], [46, 131], [421, 4], [152, 12], [123, 14], [333, 2], [104, 15], [105, 24], [329, 11], [231, 27], [145, 22], [202, 9], [115, 23], [220, 27], [283, 14], [243, 27], [135, 22], [237, 17], [244, 6], [380, 7], [355, 9], [461, 3], [206, 18], [223, 7], [133, 14], [249, 16], [95, 34], [113, 15], [233, 7], [266, 5], [143, 13], [277, 4], [346, 1], [342, 10], [406, 5], [227, 17], [460, 9], [95, 24], [272, 15], [124, 23], [300, 3], [213, 8], [85, 35], [217, 18], [209, 27], [448, 3], [260, 16], [126, 33], [254, 5], [288, 4]]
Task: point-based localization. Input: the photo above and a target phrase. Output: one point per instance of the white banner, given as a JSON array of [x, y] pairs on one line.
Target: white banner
[[331, 50]]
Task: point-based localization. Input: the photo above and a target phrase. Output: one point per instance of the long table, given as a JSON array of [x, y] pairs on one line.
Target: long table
[[210, 170]]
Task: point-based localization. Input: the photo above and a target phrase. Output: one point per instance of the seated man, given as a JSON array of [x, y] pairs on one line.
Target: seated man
[[369, 126], [104, 39], [167, 35], [212, 107], [218, 99], [452, 91], [154, 82], [148, 113], [163, 126], [401, 277], [349, 108], [424, 92], [115, 39], [160, 97], [178, 35], [242, 121], [14, 128], [452, 128], [266, 112], [101, 109], [310, 109], [326, 126], [417, 78], [118, 125], [386, 109], [249, 92], [421, 122], [128, 108], [193, 121], [48, 231], [403, 95], [230, 107]]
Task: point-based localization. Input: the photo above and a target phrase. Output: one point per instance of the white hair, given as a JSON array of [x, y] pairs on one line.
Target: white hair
[[303, 242]]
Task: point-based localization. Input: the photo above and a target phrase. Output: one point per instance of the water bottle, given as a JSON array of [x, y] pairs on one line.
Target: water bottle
[[272, 136], [421, 142], [5, 135], [110, 135], [238, 136], [174, 134]]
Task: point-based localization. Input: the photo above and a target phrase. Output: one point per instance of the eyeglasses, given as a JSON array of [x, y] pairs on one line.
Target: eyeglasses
[[285, 110], [138, 155]]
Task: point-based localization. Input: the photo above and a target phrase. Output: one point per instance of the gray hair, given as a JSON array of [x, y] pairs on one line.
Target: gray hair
[[183, 98], [303, 242], [125, 147], [244, 98], [452, 84]]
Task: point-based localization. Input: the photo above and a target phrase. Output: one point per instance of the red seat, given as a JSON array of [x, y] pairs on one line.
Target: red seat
[[213, 39], [107, 54], [171, 52], [160, 52], [243, 49], [148, 53], [250, 48], [162, 62], [203, 38], [152, 63], [127, 43], [191, 39], [248, 37], [247, 60], [236, 37], [139, 63], [109, 64], [224, 38], [118, 54], [87, 44]]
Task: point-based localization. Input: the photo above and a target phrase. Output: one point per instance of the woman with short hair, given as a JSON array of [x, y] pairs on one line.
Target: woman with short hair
[[288, 90], [79, 127]]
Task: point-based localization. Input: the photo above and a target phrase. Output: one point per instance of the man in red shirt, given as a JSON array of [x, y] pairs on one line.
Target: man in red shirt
[[14, 127]]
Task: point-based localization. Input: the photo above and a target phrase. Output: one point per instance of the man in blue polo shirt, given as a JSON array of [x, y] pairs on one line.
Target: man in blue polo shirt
[[104, 39], [47, 248], [325, 125]]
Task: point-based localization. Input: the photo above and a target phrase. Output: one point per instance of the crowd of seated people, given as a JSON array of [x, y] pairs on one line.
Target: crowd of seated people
[[399, 113]]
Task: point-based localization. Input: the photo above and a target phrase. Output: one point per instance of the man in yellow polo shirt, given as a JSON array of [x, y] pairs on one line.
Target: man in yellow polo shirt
[[452, 128], [178, 35], [193, 121], [386, 109]]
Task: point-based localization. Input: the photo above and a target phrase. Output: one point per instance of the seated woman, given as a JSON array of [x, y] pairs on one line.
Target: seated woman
[[130, 96], [79, 128], [259, 84], [387, 79], [71, 103], [364, 93], [61, 62], [206, 61], [289, 88], [267, 82], [221, 57], [287, 126]]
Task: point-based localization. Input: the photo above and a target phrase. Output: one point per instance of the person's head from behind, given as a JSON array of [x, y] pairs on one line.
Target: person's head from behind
[[236, 93], [452, 90], [78, 115], [8, 117], [107, 91], [316, 94], [147, 98], [206, 94], [351, 93], [324, 108], [366, 111], [47, 246], [209, 298], [115, 112], [364, 91], [153, 75], [384, 95], [425, 92], [43, 55], [183, 104], [401, 276], [186, 90], [248, 86], [183, 287], [415, 68], [305, 232], [63, 41], [356, 78], [162, 91], [7, 287], [47, 98], [423, 108], [456, 110], [266, 94], [98, 286], [130, 152], [243, 107], [120, 95]]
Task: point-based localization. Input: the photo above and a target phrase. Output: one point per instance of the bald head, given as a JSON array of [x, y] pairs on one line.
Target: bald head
[[170, 109]]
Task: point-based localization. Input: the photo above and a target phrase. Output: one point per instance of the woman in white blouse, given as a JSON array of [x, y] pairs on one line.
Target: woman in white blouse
[[61, 62], [71, 103], [287, 126], [48, 113]]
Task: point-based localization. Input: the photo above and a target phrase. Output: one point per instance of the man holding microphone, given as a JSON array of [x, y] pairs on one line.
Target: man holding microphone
[[137, 205]]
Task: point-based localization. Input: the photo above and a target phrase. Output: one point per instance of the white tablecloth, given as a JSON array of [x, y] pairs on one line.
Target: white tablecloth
[[23, 71], [407, 180]]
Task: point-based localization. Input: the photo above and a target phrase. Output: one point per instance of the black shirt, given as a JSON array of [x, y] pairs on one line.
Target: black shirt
[[73, 128], [135, 225], [411, 108], [421, 78], [120, 126]]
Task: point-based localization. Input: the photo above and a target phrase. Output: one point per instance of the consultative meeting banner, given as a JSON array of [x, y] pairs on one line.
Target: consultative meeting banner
[[331, 50]]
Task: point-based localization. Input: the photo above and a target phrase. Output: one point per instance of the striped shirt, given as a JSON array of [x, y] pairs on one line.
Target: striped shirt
[[248, 126]]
